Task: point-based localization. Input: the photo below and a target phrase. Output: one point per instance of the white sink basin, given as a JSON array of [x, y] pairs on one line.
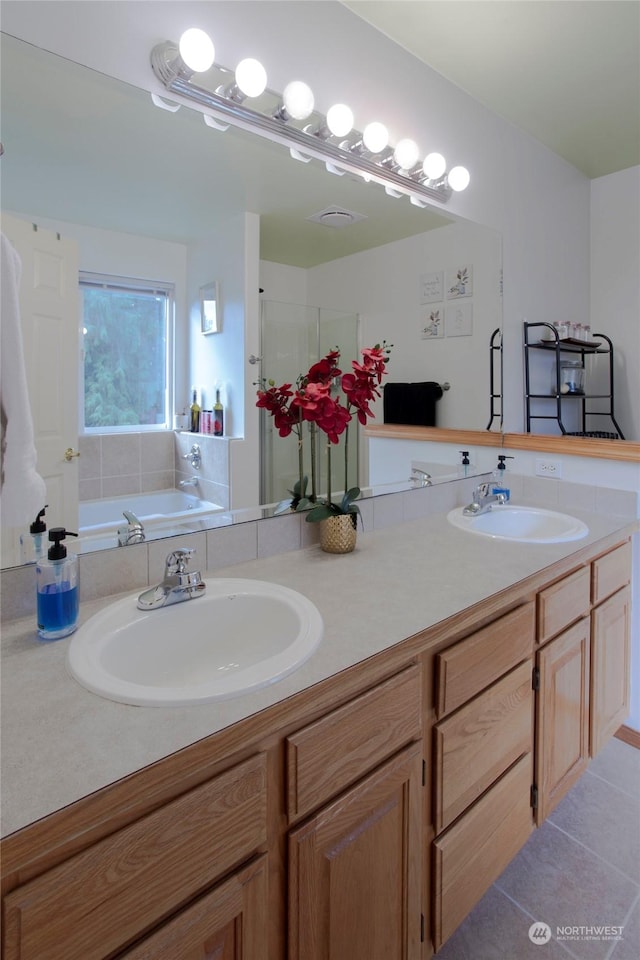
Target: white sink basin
[[236, 637], [522, 524]]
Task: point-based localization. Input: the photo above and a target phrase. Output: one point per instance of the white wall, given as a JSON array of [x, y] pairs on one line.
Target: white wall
[[615, 285], [230, 256], [383, 286], [283, 283], [539, 202], [216, 359]]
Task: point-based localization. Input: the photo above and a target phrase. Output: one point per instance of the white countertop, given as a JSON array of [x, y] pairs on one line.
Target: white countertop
[[61, 743]]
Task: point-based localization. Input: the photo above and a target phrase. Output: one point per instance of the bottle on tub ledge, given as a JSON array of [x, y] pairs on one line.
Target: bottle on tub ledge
[[218, 417], [194, 410]]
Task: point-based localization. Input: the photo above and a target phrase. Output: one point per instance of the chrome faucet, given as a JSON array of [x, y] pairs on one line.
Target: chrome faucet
[[178, 585], [133, 532], [482, 501], [190, 482], [420, 476], [194, 456]]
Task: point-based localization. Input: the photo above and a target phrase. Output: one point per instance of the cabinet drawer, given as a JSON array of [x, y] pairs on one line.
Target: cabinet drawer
[[474, 852], [563, 604], [474, 746], [328, 755], [474, 663], [229, 921], [610, 573], [100, 899]]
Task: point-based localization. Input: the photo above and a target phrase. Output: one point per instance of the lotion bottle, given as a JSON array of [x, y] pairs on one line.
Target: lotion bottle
[[58, 589]]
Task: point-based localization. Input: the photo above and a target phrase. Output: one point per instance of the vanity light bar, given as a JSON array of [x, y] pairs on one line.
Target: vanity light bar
[[176, 77]]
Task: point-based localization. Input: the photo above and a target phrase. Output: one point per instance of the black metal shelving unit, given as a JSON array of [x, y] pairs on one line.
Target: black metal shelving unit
[[495, 377], [600, 344]]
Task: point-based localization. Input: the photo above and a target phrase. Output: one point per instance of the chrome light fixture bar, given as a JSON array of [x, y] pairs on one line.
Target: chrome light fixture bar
[[311, 142]]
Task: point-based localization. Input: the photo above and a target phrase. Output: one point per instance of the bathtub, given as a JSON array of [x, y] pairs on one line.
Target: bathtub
[[160, 513]]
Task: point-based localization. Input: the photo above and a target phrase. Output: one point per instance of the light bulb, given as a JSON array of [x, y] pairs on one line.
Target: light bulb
[[458, 178], [406, 154], [298, 100], [375, 137], [251, 77], [340, 120], [196, 49], [434, 166]]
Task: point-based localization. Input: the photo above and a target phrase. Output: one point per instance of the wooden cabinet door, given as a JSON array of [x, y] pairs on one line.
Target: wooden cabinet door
[[471, 854], [610, 670], [562, 741], [354, 870], [228, 923]]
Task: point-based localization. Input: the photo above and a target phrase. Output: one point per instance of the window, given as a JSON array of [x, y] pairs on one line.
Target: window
[[126, 353]]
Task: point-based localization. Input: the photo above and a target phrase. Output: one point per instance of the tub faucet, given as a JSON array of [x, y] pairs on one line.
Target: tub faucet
[[482, 501], [190, 482], [420, 476], [178, 585], [133, 532], [194, 456]]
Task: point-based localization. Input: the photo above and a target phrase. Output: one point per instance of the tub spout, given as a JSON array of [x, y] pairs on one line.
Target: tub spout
[[133, 532]]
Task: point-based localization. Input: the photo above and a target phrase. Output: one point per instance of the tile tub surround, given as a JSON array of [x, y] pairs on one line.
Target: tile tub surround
[[214, 470], [422, 570], [580, 868], [111, 465]]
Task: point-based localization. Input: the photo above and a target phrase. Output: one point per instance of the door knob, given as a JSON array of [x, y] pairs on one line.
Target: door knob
[[70, 453]]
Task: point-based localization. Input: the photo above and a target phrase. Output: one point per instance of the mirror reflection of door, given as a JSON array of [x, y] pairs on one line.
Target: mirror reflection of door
[[49, 320]]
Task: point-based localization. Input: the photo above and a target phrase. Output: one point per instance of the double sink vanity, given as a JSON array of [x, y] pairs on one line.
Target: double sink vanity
[[357, 797]]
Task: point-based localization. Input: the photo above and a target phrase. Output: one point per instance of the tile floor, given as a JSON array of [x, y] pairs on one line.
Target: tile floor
[[580, 869]]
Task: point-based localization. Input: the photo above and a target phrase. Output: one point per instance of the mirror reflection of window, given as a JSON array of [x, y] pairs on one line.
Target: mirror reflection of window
[[125, 354]]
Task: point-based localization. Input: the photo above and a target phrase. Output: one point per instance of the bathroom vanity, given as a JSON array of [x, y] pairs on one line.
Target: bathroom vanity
[[359, 808]]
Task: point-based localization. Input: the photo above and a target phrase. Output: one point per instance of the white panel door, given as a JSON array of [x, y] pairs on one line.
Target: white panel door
[[49, 314]]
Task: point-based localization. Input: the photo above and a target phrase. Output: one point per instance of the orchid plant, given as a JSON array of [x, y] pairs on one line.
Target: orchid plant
[[312, 402]]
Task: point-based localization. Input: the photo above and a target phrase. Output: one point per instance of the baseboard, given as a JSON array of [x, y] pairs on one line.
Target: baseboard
[[629, 735]]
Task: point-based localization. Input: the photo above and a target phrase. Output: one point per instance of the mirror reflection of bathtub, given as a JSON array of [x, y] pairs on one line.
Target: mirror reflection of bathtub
[[162, 513]]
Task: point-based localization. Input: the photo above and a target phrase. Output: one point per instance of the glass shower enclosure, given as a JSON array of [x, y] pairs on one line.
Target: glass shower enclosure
[[293, 337]]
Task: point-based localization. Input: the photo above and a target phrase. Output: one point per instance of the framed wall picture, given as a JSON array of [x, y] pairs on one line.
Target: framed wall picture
[[460, 282], [459, 319], [432, 286], [210, 318], [431, 325]]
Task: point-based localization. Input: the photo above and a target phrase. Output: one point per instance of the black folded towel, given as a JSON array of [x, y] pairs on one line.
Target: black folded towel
[[413, 404]]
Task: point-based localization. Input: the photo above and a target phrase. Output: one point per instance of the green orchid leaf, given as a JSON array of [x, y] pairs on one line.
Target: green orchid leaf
[[321, 511]]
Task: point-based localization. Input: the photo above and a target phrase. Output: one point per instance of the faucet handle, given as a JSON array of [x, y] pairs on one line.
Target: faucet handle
[[177, 561]]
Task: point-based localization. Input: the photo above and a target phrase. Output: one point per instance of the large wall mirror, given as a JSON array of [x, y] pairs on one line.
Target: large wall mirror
[[88, 151]]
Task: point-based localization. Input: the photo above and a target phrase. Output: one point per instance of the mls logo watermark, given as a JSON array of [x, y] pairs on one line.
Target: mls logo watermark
[[539, 932]]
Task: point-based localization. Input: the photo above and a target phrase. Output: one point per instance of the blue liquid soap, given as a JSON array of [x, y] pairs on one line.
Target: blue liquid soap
[[58, 607], [57, 583]]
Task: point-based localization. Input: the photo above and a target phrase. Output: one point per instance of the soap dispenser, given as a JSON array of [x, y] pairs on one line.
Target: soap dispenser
[[37, 530], [465, 466], [57, 584], [498, 483]]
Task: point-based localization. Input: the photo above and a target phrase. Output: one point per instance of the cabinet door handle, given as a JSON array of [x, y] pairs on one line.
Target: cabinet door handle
[[70, 453]]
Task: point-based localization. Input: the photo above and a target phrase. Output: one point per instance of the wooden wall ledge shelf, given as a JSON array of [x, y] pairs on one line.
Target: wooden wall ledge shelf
[[625, 450]]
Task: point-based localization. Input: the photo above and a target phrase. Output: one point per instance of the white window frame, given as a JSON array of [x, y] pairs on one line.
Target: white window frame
[[135, 285]]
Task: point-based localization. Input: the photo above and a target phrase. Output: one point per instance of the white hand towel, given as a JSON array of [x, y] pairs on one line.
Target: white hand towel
[[24, 492]]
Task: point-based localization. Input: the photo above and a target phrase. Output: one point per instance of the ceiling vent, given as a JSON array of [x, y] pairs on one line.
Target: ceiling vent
[[335, 216]]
